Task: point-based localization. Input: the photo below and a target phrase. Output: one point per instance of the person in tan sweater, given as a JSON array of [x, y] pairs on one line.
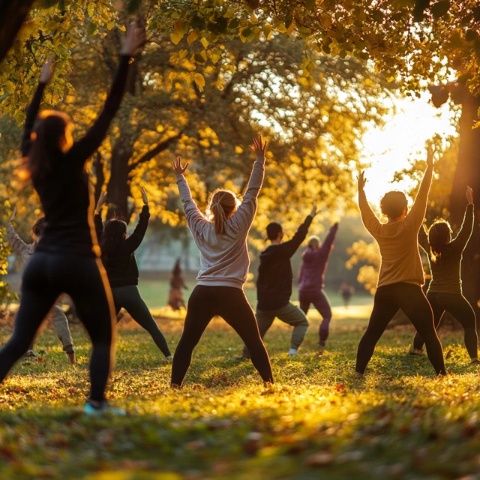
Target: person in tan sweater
[[401, 271]]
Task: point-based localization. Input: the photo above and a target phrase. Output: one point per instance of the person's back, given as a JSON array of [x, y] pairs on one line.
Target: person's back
[[399, 251], [401, 271], [314, 262]]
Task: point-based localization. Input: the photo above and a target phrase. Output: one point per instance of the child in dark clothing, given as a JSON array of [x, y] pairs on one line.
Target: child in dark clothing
[[445, 289], [274, 284], [312, 280]]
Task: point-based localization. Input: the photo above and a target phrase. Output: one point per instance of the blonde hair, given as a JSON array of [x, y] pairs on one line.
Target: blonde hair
[[221, 206]]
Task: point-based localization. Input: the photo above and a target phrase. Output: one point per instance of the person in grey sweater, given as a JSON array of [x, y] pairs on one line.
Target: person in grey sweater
[[23, 252], [221, 237]]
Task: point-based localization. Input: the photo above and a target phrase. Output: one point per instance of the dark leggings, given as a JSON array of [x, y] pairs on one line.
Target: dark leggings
[[230, 304], [388, 300], [321, 303], [129, 298], [457, 305], [83, 278]]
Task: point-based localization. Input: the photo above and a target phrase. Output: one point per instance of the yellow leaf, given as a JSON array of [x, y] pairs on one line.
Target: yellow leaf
[[192, 36], [199, 81], [204, 42]]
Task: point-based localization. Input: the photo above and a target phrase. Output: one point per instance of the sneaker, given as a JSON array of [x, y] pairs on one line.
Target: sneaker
[[475, 361], [169, 358], [72, 358], [31, 354], [103, 408], [415, 351], [293, 352]]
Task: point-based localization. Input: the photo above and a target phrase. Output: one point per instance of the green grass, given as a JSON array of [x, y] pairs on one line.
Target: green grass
[[320, 421]]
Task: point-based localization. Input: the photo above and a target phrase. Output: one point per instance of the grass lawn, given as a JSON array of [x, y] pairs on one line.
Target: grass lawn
[[320, 421]]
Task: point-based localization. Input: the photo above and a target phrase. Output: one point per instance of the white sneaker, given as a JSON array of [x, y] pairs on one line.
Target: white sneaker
[[293, 352]]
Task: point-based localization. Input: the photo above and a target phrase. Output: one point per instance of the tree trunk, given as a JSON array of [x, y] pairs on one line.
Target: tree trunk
[[118, 189], [468, 173], [12, 15]]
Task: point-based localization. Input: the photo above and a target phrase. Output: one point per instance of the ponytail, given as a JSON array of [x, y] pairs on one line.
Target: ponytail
[[221, 206]]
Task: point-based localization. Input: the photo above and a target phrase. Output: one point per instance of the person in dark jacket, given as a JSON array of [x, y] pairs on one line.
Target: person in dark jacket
[[274, 284], [66, 259], [445, 289], [312, 280], [119, 260]]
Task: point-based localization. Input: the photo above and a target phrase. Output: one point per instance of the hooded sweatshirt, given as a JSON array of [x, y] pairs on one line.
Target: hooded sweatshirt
[[314, 264], [224, 259]]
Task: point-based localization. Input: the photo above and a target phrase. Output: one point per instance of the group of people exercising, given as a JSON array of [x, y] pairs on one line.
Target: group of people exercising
[[93, 262]]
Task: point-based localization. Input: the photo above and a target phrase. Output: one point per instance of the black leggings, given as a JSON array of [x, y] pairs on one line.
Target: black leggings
[[457, 305], [388, 300], [230, 304], [129, 298], [84, 280]]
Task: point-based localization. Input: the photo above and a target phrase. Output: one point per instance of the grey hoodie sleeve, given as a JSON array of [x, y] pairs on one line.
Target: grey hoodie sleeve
[[19, 247], [195, 218], [243, 217]]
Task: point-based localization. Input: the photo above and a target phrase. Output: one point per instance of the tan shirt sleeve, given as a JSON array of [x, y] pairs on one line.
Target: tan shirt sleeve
[[369, 219], [417, 213]]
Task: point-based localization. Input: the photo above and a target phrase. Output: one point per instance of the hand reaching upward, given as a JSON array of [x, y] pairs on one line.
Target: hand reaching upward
[[134, 39], [361, 180], [469, 195], [46, 73], [313, 211], [430, 155], [144, 196], [101, 201], [178, 168], [259, 147]]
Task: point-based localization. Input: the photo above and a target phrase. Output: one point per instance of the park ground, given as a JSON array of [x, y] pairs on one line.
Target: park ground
[[319, 420]]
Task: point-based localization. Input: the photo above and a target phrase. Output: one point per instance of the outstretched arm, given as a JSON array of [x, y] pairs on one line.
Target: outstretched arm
[[466, 229], [34, 107], [369, 219], [291, 246], [19, 247], [195, 218], [417, 212], [85, 147], [327, 244], [98, 215], [423, 239], [243, 217], [136, 238]]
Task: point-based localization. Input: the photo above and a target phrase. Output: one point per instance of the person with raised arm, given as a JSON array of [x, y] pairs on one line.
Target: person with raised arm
[[274, 284], [67, 257], [23, 251], [401, 272], [221, 237], [445, 289], [118, 254], [312, 281]]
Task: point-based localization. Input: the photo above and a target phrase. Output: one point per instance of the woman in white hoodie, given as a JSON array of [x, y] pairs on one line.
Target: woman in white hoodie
[[224, 262]]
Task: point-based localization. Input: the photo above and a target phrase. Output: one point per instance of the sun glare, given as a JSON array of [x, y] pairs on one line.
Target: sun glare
[[401, 141]]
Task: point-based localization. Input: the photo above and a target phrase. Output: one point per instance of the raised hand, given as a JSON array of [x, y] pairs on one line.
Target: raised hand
[[144, 196], [313, 211], [469, 195], [101, 201], [178, 168], [12, 215], [259, 146], [430, 155], [361, 180], [47, 71], [134, 39]]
